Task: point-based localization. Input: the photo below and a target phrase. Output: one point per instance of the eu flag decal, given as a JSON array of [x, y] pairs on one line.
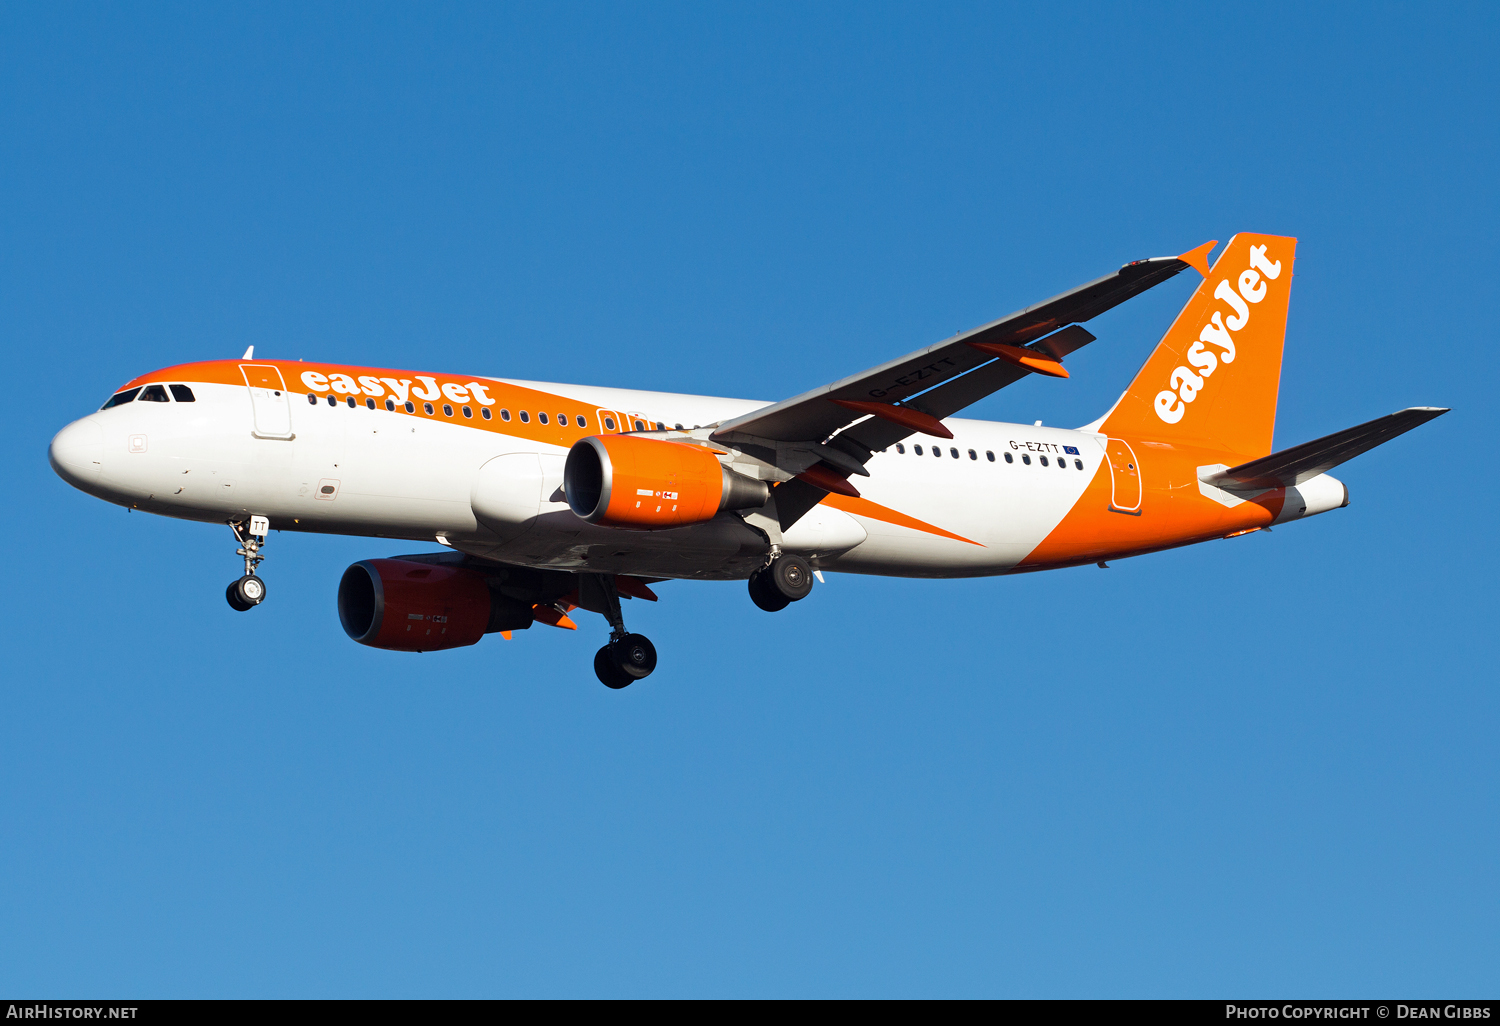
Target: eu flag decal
[[1071, 450]]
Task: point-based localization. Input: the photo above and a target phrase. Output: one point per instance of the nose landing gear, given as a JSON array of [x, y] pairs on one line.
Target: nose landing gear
[[628, 657], [249, 591], [788, 579]]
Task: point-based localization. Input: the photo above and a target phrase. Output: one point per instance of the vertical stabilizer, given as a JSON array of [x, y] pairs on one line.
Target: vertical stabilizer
[[1213, 379]]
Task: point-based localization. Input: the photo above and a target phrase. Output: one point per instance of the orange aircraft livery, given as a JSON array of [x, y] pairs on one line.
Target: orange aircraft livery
[[550, 498]]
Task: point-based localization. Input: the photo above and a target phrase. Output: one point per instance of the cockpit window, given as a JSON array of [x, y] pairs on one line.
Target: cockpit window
[[121, 398], [153, 394], [181, 393]]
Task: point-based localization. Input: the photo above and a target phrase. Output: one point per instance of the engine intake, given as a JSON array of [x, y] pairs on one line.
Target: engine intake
[[422, 607], [651, 484]]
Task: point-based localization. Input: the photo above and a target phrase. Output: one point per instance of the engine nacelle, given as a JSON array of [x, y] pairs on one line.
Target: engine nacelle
[[422, 607], [650, 484]]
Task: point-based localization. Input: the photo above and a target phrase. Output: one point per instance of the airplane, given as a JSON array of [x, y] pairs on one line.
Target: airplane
[[547, 498]]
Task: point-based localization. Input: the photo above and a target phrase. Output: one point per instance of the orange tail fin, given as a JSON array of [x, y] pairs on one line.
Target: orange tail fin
[[1213, 379]]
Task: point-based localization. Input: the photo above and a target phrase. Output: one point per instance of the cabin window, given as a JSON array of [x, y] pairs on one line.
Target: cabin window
[[153, 394], [447, 410], [917, 449], [639, 426], [484, 411], [660, 426], [390, 404], [609, 423], [525, 417], [333, 400], [427, 409], [1026, 459], [989, 455], [1043, 459], [953, 453], [121, 398], [369, 404], [468, 413], [505, 416], [350, 402], [1078, 464], [411, 408], [183, 394], [541, 418], [312, 400], [900, 448], [973, 455], [937, 450], [677, 426]]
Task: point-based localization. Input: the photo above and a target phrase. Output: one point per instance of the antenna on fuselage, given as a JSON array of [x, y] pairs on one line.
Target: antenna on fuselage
[[249, 354]]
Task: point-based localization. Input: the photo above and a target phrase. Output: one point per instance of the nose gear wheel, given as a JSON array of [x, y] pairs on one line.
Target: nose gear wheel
[[250, 590], [246, 593]]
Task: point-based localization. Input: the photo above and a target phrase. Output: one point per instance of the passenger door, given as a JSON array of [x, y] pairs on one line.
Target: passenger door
[[1125, 478], [268, 400]]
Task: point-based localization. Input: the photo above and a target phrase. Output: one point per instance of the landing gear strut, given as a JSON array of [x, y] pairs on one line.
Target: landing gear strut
[[628, 657], [786, 580], [249, 591]]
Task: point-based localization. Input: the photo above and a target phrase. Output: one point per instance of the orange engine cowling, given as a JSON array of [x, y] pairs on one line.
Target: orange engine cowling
[[649, 484], [421, 607]]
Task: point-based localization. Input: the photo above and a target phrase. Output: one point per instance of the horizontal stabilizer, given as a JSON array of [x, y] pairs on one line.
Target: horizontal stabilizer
[[1306, 461]]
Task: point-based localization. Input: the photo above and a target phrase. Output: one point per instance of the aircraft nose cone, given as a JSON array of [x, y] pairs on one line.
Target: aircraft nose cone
[[77, 453]]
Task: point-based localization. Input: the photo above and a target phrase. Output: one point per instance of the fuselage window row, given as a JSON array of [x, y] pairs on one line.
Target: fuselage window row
[[185, 395], [1062, 464]]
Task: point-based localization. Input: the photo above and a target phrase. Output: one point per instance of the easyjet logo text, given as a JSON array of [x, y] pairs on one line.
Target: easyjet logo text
[[1186, 382], [424, 387]]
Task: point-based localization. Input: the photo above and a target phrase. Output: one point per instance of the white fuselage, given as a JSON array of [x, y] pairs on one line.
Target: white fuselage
[[429, 478]]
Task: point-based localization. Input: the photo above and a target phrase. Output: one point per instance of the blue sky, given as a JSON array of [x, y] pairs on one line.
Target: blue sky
[[1257, 767]]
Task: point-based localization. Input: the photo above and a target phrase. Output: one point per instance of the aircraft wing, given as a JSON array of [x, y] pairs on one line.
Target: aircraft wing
[[1306, 461], [914, 392]]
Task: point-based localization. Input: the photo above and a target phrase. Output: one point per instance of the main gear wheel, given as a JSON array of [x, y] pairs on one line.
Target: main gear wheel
[[788, 579], [625, 660]]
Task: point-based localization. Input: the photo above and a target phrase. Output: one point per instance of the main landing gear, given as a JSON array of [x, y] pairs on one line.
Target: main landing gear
[[249, 591], [628, 657], [786, 580]]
